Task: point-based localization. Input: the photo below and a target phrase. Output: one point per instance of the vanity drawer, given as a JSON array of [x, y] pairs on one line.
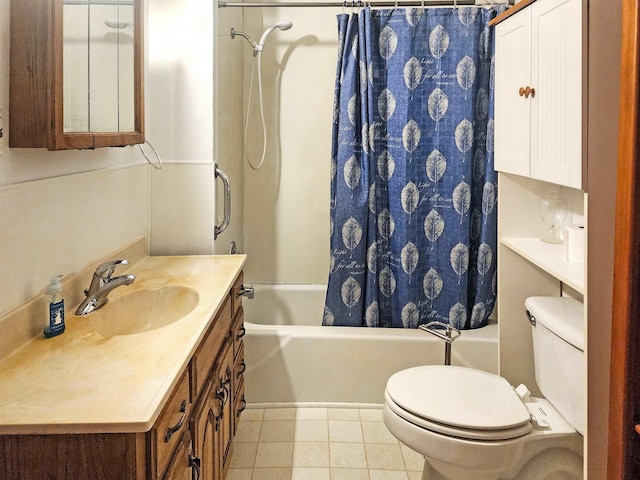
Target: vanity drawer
[[171, 424], [239, 368], [239, 405], [239, 332], [236, 294], [206, 354]]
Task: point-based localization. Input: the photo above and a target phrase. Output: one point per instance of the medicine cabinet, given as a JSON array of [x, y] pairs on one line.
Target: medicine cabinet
[[76, 74]]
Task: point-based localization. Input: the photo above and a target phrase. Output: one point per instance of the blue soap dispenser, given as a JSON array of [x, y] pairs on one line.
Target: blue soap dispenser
[[53, 308]]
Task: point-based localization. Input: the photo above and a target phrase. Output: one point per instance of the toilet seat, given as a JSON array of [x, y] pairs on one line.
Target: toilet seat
[[458, 402]]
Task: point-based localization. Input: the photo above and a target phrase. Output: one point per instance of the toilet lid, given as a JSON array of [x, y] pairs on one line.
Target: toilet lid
[[459, 397]]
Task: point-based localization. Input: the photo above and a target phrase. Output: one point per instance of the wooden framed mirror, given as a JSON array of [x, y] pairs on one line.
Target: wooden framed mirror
[[76, 74]]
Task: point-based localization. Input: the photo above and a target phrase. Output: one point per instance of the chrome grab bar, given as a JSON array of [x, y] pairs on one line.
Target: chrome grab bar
[[218, 229]]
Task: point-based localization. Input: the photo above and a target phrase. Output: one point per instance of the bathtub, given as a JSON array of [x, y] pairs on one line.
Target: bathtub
[[292, 359]]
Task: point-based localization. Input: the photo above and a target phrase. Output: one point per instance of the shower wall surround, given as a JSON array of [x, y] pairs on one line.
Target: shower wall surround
[[286, 210]]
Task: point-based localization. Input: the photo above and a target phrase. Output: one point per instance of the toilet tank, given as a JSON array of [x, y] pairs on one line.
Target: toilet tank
[[558, 350]]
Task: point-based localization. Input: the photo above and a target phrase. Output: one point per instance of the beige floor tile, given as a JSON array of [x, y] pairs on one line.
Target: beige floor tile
[[311, 454], [347, 455], [310, 474], [248, 431], [312, 431], [343, 414], [377, 432], [345, 431], [244, 455], [274, 454], [311, 414], [349, 474], [239, 474], [384, 457], [271, 474], [371, 414], [413, 461], [279, 414], [414, 475], [253, 414], [388, 475], [277, 431]]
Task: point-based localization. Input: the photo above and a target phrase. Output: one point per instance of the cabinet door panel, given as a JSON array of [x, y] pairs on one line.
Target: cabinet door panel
[[512, 111], [556, 126], [204, 433], [182, 466]]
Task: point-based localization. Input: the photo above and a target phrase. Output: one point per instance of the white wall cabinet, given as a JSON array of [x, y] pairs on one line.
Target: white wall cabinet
[[539, 92]]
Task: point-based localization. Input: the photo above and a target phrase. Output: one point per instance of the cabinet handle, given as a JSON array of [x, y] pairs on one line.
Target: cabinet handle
[[222, 395], [243, 406], [177, 426], [241, 333], [525, 92], [242, 370], [194, 463]]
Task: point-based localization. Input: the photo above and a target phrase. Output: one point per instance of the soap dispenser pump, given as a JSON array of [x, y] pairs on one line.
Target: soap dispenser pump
[[53, 308]]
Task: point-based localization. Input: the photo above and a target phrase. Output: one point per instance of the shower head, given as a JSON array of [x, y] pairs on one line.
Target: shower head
[[282, 25]]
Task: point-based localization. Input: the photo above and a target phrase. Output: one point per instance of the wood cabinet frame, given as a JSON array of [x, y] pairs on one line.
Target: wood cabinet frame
[[36, 117], [624, 407]]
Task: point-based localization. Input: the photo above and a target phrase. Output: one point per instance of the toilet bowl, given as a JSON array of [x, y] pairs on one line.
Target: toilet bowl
[[473, 425]]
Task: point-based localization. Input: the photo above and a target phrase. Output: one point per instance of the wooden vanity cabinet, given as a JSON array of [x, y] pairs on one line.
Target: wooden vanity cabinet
[[192, 437], [218, 396]]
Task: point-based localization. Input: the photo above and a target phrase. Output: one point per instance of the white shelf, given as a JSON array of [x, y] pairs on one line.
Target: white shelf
[[550, 258]]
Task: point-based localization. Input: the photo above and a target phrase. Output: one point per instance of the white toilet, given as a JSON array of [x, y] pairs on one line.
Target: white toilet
[[472, 425]]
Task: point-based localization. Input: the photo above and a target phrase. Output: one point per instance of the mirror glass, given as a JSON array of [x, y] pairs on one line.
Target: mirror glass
[[98, 66]]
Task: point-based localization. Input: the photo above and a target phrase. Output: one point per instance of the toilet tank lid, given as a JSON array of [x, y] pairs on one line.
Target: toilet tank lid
[[564, 316]]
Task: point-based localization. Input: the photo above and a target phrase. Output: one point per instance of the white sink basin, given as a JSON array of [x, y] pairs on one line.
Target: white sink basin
[[144, 310]]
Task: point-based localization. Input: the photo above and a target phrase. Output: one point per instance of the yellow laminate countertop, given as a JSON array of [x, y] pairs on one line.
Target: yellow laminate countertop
[[81, 382]]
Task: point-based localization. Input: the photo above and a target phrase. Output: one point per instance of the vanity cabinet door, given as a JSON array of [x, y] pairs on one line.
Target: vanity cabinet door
[[203, 429], [224, 395], [184, 465]]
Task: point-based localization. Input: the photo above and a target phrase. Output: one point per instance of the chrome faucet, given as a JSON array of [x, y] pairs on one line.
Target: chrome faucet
[[102, 285]]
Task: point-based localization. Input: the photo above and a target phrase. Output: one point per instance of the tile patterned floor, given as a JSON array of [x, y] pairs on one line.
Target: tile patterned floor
[[319, 444]]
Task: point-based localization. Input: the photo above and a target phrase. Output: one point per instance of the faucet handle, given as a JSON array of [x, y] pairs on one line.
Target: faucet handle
[[105, 270]]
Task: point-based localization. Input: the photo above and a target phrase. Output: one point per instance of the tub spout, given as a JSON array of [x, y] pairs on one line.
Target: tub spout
[[246, 292]]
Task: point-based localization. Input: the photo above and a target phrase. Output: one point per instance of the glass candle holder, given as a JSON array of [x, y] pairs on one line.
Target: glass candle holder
[[553, 210]]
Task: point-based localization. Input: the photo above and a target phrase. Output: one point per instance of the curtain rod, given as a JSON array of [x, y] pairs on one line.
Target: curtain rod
[[97, 2], [374, 3]]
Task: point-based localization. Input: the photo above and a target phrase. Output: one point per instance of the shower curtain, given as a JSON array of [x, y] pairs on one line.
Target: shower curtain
[[413, 190]]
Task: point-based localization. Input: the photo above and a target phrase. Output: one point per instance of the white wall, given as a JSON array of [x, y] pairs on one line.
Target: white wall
[[286, 210], [180, 125], [229, 122], [59, 211]]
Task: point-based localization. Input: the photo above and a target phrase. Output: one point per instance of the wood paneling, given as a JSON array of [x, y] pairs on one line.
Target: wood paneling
[[624, 442]]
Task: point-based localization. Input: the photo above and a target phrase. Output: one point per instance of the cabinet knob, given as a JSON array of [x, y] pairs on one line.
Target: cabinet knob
[[525, 92]]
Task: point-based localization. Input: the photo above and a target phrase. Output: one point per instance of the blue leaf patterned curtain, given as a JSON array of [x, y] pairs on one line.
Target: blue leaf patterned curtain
[[413, 190]]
